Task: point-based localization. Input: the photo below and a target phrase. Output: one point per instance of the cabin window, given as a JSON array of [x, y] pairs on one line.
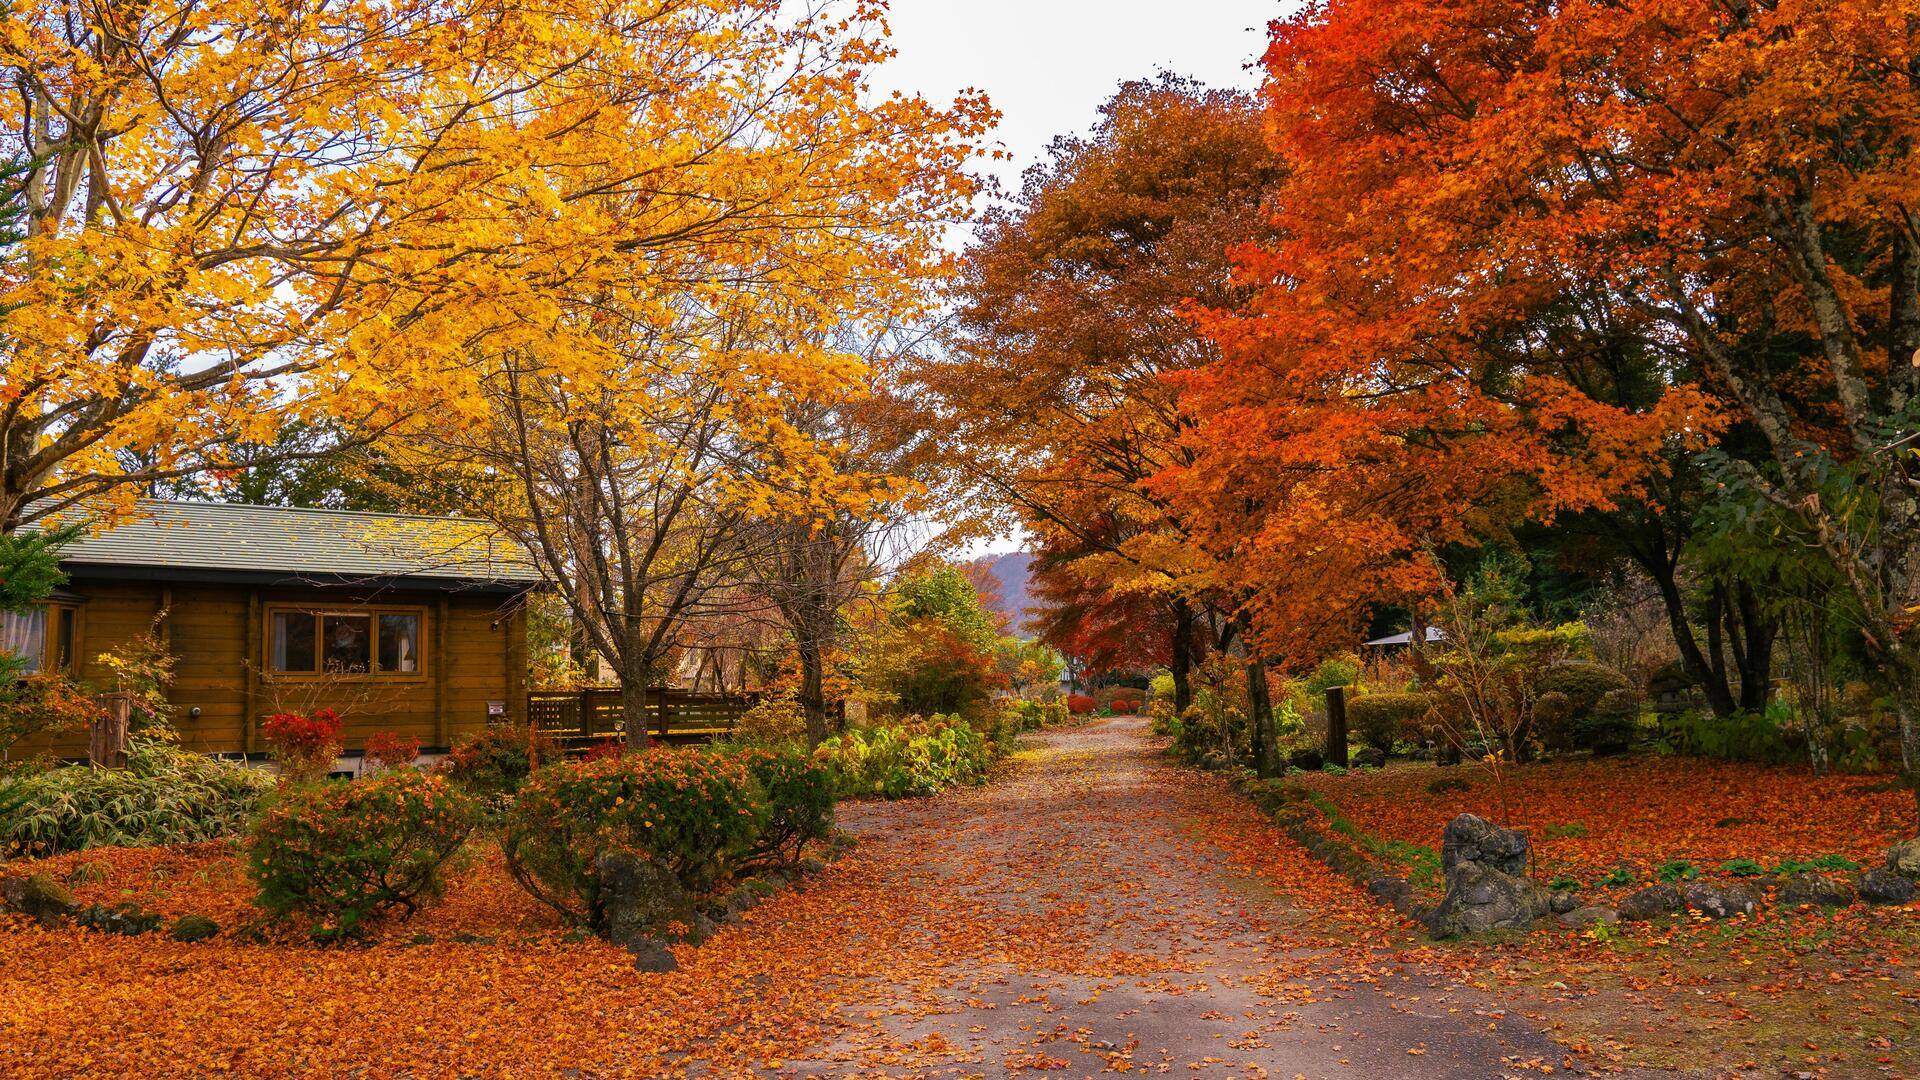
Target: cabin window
[[43, 637], [364, 641]]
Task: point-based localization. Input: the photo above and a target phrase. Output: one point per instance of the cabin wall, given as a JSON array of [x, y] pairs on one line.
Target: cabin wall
[[217, 636]]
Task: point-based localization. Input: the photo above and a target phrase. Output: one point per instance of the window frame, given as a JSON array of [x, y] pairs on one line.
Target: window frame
[[370, 612], [49, 664]]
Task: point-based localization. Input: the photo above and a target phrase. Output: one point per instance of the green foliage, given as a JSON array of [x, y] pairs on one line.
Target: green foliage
[[690, 812], [1744, 736], [1583, 682], [798, 790], [937, 650], [345, 851], [1564, 884], [1609, 727], [1832, 863], [165, 796], [1333, 671], [1383, 720], [1676, 870], [1616, 877], [1741, 867], [899, 761], [1161, 686]]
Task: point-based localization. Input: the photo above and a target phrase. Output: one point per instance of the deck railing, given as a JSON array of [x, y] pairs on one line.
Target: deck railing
[[577, 719]]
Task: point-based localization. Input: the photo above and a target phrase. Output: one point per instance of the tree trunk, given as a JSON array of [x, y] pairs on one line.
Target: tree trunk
[[813, 694], [1183, 626], [1719, 695], [1266, 755]]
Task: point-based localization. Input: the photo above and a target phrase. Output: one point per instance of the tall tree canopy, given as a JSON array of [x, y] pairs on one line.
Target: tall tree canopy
[[1071, 316]]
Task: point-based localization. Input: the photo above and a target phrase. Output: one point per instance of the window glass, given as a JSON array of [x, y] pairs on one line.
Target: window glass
[[293, 641], [400, 643], [346, 643], [23, 634], [63, 659]]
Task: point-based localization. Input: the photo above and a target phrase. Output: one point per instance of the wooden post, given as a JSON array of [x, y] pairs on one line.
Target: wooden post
[[442, 723], [1337, 726], [255, 635], [107, 746]]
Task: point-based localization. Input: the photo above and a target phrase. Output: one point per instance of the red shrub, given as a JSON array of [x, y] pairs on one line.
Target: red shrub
[[386, 750], [1124, 707], [305, 746], [1080, 704], [605, 748]]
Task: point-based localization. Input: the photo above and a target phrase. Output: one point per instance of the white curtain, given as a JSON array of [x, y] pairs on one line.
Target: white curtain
[[24, 634]]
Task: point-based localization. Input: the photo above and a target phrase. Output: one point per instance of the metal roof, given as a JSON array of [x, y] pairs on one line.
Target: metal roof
[[1434, 633], [214, 541]]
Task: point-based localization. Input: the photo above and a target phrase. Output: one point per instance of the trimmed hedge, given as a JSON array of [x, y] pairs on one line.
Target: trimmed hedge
[[798, 789], [346, 851], [1382, 720]]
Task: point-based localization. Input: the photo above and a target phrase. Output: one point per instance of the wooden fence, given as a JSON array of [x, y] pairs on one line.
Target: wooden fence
[[577, 719]]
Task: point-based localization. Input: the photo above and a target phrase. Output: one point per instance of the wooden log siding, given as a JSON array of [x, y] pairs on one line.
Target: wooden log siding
[[217, 635], [577, 719]]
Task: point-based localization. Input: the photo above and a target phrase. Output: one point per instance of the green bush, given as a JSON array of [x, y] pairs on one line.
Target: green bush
[[907, 760], [493, 763], [1583, 682], [1608, 728], [1744, 736], [798, 790], [689, 812], [1382, 720], [1333, 671], [164, 796], [346, 851]]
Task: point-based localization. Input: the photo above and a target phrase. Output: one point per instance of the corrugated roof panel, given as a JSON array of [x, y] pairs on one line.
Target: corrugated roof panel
[[336, 543]]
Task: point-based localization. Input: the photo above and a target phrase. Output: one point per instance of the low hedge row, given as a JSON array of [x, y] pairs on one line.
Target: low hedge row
[[907, 760]]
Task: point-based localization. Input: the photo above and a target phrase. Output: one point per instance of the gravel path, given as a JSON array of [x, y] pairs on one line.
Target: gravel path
[[1133, 944]]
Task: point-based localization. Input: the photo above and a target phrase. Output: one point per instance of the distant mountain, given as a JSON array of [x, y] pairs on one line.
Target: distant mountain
[[1008, 592]]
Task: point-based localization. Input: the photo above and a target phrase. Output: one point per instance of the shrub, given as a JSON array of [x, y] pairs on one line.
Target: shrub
[[304, 745], [771, 719], [344, 852], [689, 812], [1742, 867], [908, 760], [387, 750], [1124, 706], [1744, 736], [48, 703], [164, 796], [1608, 729], [1333, 671], [1081, 704], [1583, 682], [495, 762], [1381, 720], [1161, 686], [798, 789]]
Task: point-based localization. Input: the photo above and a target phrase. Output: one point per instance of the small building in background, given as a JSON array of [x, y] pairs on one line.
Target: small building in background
[[400, 623]]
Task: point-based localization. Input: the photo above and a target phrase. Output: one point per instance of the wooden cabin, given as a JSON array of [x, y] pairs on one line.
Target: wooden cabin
[[407, 624]]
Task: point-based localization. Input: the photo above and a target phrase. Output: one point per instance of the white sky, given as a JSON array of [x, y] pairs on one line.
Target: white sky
[[1047, 65]]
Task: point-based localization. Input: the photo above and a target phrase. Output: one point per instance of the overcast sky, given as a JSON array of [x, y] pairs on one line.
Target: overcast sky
[[1048, 64]]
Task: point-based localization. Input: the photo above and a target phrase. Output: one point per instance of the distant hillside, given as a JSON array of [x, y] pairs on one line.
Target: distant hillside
[[1009, 573]]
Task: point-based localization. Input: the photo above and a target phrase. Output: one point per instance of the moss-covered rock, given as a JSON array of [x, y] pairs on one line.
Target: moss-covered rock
[[193, 928], [47, 901]]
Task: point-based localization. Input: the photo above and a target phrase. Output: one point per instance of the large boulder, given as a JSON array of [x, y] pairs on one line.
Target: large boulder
[[1652, 902], [1472, 839], [193, 928], [1882, 886], [1481, 897], [1903, 858], [1720, 901], [47, 901], [639, 897]]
